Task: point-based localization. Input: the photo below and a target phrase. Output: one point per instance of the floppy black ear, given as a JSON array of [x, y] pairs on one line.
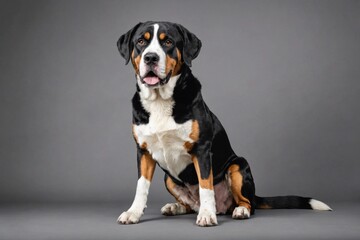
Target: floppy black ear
[[125, 44], [191, 46]]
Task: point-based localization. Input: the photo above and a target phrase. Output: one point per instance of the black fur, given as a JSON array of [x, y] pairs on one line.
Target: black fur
[[284, 202], [140, 115], [191, 45], [125, 43]]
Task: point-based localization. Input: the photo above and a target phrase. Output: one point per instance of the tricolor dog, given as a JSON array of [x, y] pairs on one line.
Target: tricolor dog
[[175, 129]]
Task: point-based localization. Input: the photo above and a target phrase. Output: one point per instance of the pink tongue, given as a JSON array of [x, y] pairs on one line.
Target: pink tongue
[[151, 80]]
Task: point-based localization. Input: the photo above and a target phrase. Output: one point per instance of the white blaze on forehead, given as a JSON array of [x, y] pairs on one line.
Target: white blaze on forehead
[[154, 47]]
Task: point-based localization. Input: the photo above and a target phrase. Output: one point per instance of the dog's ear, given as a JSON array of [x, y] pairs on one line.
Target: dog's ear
[[125, 44], [191, 45]]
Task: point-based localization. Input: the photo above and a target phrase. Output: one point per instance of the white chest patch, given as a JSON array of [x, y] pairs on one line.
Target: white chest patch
[[163, 137]]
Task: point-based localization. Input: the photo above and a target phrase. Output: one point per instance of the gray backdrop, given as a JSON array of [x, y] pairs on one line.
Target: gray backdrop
[[282, 76]]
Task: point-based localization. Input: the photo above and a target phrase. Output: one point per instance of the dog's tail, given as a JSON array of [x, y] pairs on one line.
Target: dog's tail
[[290, 202]]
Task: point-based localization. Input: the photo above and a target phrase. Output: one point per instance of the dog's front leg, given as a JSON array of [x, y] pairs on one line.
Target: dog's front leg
[[146, 168], [207, 211]]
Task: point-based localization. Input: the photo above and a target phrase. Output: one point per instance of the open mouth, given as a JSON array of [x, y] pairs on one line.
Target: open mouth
[[151, 79]]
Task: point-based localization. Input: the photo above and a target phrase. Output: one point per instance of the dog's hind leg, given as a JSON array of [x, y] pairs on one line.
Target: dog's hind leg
[[242, 187], [180, 207]]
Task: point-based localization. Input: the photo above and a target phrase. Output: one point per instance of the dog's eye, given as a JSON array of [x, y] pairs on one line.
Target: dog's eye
[[141, 42], [168, 43]]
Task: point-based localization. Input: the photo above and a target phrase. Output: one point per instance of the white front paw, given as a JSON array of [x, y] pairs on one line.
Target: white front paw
[[206, 218], [129, 217]]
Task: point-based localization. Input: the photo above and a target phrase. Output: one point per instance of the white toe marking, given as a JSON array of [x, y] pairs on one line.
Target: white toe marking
[[207, 211], [206, 218], [129, 217], [173, 209], [241, 213], [318, 205], [133, 214]]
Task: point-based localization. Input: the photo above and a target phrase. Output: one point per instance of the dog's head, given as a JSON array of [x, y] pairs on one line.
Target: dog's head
[[158, 50]]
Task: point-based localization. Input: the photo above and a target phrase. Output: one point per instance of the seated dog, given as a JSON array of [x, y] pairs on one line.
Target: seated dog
[[174, 129]]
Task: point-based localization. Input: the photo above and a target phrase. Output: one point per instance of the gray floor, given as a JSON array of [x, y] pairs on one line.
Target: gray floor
[[98, 221]]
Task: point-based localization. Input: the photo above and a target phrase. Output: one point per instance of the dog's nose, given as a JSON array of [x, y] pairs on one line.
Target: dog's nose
[[151, 58]]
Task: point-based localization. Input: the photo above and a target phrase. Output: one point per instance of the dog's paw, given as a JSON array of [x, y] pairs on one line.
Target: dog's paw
[[241, 213], [172, 209], [129, 217], [206, 218]]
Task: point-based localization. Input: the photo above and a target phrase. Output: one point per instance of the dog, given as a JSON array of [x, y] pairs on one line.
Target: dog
[[174, 129]]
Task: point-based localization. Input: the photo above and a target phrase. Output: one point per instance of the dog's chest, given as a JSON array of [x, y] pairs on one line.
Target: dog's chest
[[164, 138]]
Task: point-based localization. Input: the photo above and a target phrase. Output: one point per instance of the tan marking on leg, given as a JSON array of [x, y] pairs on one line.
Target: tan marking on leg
[[147, 36], [236, 185], [170, 185], [147, 166], [188, 146], [162, 36], [207, 183], [143, 145], [194, 135]]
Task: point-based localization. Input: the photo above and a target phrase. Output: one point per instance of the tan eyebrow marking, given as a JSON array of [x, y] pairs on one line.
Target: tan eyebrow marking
[[147, 36], [162, 36]]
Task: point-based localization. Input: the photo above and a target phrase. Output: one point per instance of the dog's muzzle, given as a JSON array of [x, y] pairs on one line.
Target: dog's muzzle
[[151, 79]]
